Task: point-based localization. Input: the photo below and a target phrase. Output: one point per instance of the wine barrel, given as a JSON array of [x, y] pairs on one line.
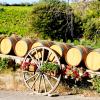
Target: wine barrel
[[60, 49], [2, 37], [77, 54], [93, 60], [23, 46], [7, 45], [41, 43]]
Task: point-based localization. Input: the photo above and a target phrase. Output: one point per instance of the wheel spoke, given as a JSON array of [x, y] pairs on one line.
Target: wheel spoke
[[39, 83], [48, 81], [42, 56], [49, 54], [53, 59], [33, 59], [37, 56], [51, 76], [31, 77], [35, 81], [44, 83]]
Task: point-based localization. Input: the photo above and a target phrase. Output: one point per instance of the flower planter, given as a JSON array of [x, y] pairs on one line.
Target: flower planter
[[32, 67]]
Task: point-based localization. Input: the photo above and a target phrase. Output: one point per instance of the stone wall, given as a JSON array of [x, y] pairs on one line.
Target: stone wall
[[12, 81]]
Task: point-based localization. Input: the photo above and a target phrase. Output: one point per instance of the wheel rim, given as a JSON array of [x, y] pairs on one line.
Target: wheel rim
[[37, 81]]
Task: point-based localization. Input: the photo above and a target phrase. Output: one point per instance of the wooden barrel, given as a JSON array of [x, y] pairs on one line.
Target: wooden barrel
[[93, 60], [7, 45], [77, 54], [41, 43], [60, 49], [2, 37], [23, 46]]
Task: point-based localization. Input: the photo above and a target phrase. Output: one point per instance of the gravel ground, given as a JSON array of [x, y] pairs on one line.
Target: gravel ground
[[18, 95]]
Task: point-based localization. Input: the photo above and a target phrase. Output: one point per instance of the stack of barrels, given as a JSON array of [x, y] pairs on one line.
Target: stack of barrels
[[71, 55]]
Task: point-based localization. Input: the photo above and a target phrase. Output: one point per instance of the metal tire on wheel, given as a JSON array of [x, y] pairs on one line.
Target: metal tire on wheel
[[37, 81]]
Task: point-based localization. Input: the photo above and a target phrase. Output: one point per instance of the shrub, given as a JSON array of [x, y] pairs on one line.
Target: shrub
[[75, 76], [3, 63], [6, 63], [51, 67], [51, 20], [87, 18], [96, 83]]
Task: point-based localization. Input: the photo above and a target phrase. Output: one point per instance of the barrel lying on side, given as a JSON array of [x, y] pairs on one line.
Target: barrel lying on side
[[2, 37], [41, 43], [23, 46], [60, 48], [77, 54], [7, 45], [93, 60]]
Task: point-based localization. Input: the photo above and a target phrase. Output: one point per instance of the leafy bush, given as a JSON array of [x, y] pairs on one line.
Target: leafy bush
[[6, 63], [51, 67], [3, 63], [89, 13], [96, 83], [51, 20]]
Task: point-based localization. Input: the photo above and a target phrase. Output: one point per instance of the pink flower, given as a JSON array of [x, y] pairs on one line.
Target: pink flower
[[24, 64], [86, 74]]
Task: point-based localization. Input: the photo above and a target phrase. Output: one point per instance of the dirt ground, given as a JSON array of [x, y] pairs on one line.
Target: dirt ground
[[18, 95]]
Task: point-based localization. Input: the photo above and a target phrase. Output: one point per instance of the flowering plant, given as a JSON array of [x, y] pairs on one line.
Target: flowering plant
[[75, 73], [30, 66]]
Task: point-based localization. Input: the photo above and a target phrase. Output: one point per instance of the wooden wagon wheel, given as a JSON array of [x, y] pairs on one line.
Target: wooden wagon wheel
[[37, 81]]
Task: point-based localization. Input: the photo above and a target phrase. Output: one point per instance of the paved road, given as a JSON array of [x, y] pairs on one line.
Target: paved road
[[16, 95]]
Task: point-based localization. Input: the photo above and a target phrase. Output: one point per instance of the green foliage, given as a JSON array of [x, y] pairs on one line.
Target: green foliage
[[91, 28], [96, 83], [14, 19], [89, 15], [3, 63], [49, 67], [89, 43], [51, 20], [6, 63], [76, 42], [50, 1]]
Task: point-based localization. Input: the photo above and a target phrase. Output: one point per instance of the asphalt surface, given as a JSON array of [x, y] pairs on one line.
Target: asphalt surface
[[18, 95]]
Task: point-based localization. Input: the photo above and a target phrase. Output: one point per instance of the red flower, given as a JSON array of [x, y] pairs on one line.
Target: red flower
[[24, 65], [68, 67], [75, 73], [64, 72], [86, 74]]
